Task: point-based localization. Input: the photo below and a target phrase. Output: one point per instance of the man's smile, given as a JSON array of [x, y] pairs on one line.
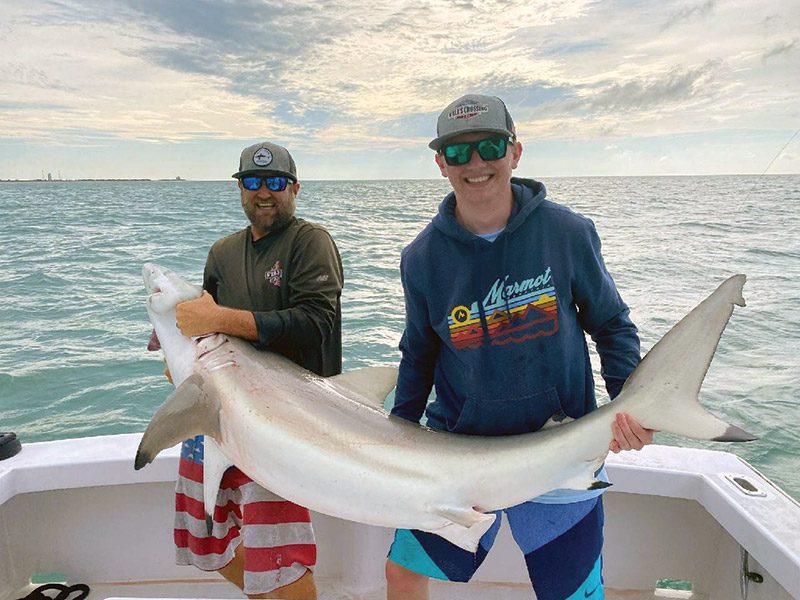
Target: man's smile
[[479, 179]]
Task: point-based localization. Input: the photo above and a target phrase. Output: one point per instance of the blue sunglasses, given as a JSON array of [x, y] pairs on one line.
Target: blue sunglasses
[[274, 184]]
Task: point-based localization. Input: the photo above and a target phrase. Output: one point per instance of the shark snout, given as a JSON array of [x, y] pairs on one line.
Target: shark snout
[[166, 289], [150, 274]]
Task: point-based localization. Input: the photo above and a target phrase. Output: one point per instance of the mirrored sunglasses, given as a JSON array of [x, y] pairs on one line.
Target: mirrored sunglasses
[[492, 148], [275, 184]]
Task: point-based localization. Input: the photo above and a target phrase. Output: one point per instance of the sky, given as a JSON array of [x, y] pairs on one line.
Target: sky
[[176, 88]]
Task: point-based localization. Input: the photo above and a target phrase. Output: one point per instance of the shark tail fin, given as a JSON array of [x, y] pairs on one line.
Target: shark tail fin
[[187, 412], [693, 421], [668, 379]]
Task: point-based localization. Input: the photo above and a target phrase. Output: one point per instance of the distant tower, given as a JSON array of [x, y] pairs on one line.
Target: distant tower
[[49, 177]]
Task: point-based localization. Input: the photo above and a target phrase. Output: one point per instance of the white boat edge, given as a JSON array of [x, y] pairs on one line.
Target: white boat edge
[[755, 514]]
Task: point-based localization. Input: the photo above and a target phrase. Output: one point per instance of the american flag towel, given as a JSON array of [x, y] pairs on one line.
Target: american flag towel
[[277, 534]]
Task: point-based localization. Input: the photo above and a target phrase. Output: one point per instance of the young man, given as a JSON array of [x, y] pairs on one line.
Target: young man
[[278, 284], [500, 289]]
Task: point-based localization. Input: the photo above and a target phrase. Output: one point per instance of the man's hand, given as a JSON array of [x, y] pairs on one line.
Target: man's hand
[[629, 434], [203, 316], [198, 317]]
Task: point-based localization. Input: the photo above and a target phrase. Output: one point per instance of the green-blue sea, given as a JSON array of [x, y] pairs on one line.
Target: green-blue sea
[[73, 327]]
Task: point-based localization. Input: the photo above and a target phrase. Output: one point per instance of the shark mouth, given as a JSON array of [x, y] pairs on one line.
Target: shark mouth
[[153, 344]]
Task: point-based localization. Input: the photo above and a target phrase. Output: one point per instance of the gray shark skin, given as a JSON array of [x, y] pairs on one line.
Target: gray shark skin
[[328, 444]]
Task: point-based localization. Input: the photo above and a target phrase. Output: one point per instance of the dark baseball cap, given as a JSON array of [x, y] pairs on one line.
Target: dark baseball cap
[[266, 157]]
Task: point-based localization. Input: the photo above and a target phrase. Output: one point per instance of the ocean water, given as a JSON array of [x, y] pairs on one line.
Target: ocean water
[[73, 327]]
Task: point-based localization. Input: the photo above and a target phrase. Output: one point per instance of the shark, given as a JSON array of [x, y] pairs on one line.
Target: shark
[[328, 443]]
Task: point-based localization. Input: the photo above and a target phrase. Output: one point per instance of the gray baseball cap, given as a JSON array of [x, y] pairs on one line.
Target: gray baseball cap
[[266, 157], [473, 112]]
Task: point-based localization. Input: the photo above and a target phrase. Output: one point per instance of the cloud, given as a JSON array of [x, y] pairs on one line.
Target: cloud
[[780, 49], [332, 74], [688, 13], [250, 44], [18, 73], [676, 85]]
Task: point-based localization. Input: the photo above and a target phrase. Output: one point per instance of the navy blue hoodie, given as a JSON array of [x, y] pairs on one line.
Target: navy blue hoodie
[[498, 327]]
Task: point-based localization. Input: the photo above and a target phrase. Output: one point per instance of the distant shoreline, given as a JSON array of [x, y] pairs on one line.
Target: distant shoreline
[[544, 178], [177, 179]]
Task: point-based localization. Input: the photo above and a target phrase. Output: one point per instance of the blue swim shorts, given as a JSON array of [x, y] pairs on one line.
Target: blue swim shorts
[[562, 544]]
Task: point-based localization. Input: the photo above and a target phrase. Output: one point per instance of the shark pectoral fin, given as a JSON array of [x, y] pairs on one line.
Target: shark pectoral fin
[[371, 383], [215, 463], [187, 412], [466, 526]]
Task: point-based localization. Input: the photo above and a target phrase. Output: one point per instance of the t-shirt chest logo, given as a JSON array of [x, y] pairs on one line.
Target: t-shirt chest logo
[[275, 274]]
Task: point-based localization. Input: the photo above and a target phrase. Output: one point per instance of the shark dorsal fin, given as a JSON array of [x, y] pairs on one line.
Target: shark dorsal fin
[[371, 383]]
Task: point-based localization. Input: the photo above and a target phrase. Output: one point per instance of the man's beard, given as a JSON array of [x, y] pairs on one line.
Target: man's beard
[[284, 211]]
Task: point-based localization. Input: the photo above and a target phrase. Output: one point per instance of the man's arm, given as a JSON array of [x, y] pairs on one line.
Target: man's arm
[[419, 347], [617, 345], [315, 285], [204, 315], [606, 318]]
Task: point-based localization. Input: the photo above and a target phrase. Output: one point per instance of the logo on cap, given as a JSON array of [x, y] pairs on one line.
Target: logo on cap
[[467, 111], [262, 157]]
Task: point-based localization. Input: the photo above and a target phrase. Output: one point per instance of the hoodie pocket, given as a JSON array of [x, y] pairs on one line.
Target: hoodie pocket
[[507, 416]]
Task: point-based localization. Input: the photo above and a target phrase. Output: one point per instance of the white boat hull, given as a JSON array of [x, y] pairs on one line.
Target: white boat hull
[[77, 507]]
